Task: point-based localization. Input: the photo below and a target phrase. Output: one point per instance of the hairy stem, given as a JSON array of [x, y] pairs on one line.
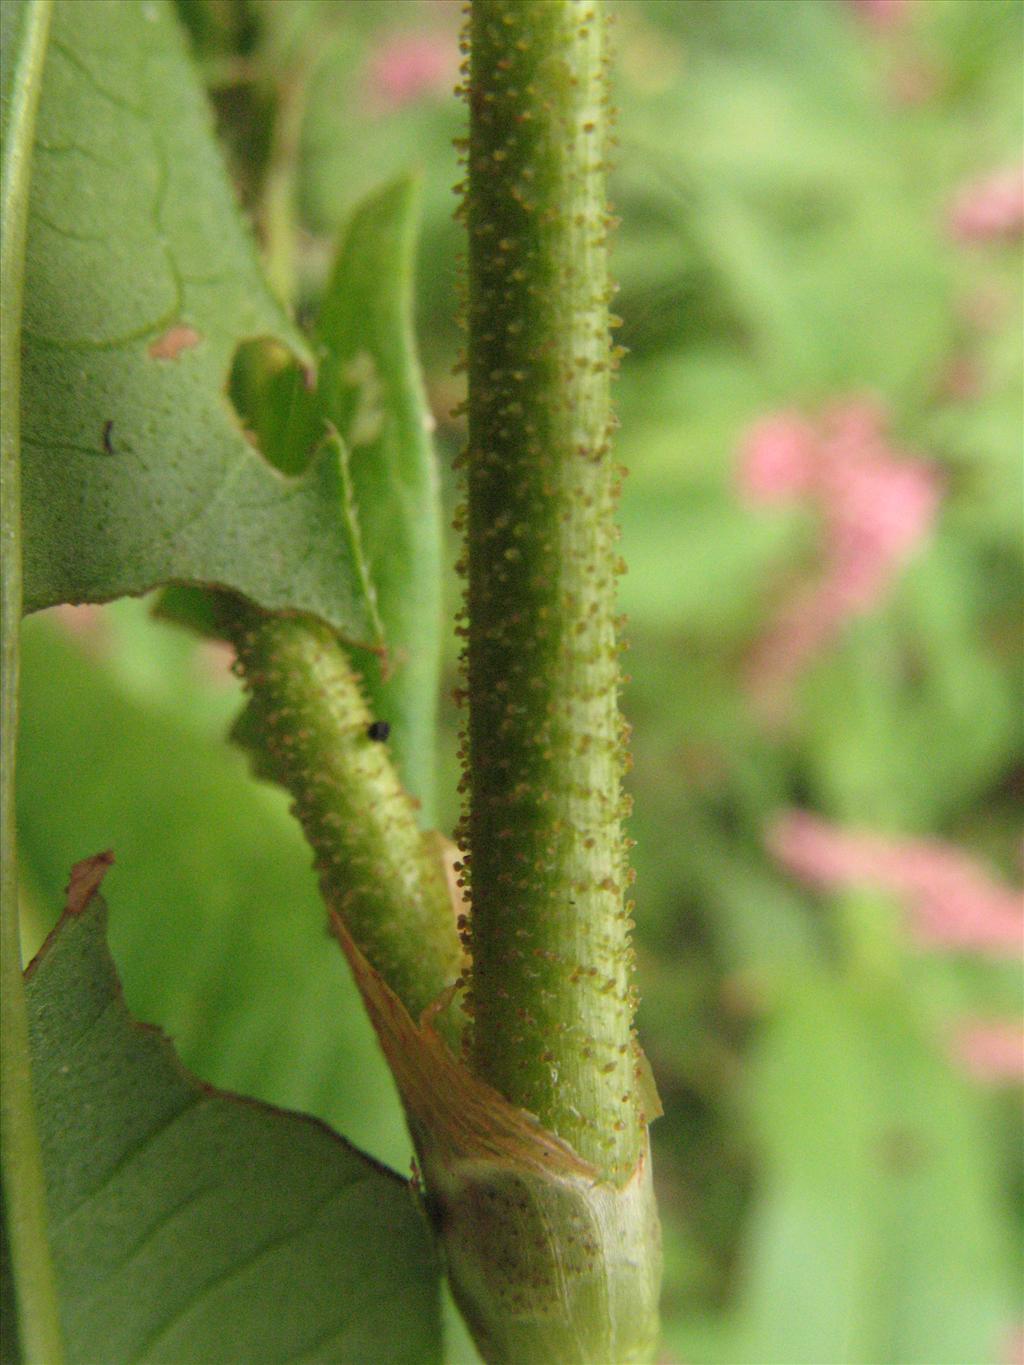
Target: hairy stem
[[24, 1190], [551, 995], [310, 726]]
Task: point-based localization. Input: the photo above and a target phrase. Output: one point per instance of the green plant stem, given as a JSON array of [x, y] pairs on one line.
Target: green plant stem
[[551, 1264], [551, 994], [310, 727], [277, 209], [24, 1189]]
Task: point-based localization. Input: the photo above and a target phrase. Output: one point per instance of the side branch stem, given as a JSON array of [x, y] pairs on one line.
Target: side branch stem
[[310, 729]]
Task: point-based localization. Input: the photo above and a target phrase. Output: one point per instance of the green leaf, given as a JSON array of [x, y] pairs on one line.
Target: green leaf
[[141, 285], [353, 137], [230, 955], [28, 1272], [876, 1233], [920, 668], [193, 1225], [372, 391]]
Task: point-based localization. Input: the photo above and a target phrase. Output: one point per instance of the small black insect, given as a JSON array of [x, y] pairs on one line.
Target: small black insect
[[379, 730], [108, 434]]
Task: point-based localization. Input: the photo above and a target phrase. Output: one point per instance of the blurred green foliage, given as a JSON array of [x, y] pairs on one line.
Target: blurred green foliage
[[833, 1188]]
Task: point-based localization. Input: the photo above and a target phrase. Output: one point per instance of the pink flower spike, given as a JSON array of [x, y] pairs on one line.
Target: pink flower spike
[[949, 900], [87, 625], [408, 67], [777, 458], [990, 209], [803, 627], [875, 506], [992, 1052], [854, 423], [881, 14], [877, 512], [1013, 1351]]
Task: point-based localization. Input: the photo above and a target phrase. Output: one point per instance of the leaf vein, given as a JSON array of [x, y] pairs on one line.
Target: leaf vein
[[63, 231], [115, 98], [144, 1350]]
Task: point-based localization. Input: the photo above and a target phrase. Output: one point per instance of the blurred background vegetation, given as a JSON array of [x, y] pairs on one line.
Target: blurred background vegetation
[[821, 205]]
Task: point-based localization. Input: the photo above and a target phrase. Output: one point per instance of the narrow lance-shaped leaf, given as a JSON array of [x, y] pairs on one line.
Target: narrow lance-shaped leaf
[[191, 1224], [141, 284], [372, 391]]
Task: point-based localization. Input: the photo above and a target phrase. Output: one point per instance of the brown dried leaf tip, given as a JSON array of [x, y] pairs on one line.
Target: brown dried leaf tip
[[453, 1113], [85, 880]]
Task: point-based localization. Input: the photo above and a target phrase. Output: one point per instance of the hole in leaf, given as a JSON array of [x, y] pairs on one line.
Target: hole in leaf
[[276, 404]]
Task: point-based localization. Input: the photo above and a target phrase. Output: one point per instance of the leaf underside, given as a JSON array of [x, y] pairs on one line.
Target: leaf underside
[[372, 391], [189, 1224], [141, 284]]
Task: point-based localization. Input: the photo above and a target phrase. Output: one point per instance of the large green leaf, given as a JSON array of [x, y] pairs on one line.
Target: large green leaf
[[141, 283], [371, 392], [876, 1235], [229, 954], [188, 1224], [371, 389]]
